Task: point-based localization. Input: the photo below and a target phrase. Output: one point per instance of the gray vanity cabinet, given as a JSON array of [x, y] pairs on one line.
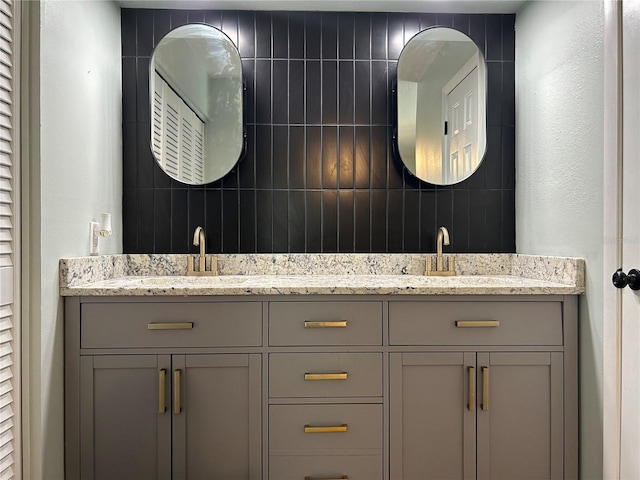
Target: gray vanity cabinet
[[432, 431], [217, 427], [478, 395], [153, 409], [520, 431], [498, 414], [366, 387], [122, 434]]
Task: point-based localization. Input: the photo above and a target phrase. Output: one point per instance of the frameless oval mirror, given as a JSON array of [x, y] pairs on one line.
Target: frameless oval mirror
[[196, 96], [441, 106]]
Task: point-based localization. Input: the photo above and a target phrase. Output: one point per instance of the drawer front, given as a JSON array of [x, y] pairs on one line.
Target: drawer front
[[139, 325], [475, 323], [334, 426], [324, 467], [325, 375], [325, 323]]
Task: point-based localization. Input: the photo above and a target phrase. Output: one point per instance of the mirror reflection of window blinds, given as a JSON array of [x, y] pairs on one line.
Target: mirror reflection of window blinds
[[177, 135]]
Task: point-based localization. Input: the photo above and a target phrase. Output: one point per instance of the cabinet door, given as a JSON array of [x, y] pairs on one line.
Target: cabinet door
[[432, 416], [520, 422], [216, 417], [124, 434]]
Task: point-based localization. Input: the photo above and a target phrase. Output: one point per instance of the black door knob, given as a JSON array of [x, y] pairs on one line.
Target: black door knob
[[621, 279]]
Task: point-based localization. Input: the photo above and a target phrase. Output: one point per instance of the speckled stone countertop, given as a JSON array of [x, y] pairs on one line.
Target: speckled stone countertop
[[308, 274]]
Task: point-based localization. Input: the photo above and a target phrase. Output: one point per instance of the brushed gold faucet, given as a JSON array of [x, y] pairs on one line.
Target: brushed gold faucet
[[199, 240], [442, 238]]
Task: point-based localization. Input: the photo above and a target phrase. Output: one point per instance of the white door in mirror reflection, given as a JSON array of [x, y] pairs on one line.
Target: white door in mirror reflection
[[177, 135], [436, 72], [460, 107]]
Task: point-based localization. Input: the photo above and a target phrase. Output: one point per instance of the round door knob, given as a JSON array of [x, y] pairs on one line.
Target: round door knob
[[621, 279]]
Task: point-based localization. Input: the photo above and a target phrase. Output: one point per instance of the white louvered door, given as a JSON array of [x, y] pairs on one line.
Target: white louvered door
[[177, 135], [9, 250]]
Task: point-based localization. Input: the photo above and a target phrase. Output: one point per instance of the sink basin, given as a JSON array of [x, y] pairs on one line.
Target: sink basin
[[180, 281]]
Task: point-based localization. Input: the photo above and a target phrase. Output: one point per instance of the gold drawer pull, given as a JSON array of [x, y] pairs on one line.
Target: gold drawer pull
[[485, 388], [162, 404], [472, 388], [326, 376], [177, 407], [477, 323], [325, 324], [170, 326], [331, 429], [344, 477]]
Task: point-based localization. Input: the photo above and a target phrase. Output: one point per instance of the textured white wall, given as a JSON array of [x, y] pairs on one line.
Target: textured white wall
[[559, 170], [80, 175]]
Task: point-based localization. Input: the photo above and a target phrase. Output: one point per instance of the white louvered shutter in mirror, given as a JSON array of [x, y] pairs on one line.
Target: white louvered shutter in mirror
[[177, 134], [9, 263]]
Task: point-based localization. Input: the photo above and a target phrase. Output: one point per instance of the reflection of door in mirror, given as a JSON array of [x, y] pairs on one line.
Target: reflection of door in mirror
[[196, 97], [177, 135], [460, 110], [441, 113]]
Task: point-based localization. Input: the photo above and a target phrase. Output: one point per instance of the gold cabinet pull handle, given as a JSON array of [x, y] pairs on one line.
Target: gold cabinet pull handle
[[331, 429], [177, 407], [477, 323], [485, 388], [170, 326], [162, 378], [325, 324], [326, 376], [344, 477], [472, 389]]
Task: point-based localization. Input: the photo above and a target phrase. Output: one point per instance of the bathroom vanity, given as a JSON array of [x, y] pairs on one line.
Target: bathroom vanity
[[314, 376]]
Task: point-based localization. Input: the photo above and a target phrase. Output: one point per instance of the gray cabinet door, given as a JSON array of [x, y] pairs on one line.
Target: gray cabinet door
[[124, 435], [520, 416], [216, 417], [432, 416]]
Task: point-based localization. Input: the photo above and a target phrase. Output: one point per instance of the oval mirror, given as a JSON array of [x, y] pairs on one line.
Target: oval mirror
[[196, 97], [441, 106]]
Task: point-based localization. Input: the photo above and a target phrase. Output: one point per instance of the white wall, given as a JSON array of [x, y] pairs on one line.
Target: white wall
[[559, 170], [79, 170]]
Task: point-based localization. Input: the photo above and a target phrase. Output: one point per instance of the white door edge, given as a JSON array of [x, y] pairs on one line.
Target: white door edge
[[612, 252]]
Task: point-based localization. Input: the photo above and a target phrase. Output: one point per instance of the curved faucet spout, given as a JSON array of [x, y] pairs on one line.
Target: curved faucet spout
[[196, 235], [443, 238], [198, 239]]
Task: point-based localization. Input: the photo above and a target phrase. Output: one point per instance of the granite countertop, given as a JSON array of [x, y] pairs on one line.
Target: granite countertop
[[305, 274]]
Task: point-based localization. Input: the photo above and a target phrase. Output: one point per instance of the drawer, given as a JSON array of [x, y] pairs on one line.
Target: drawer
[[325, 467], [127, 325], [325, 375], [359, 425], [325, 323], [511, 323]]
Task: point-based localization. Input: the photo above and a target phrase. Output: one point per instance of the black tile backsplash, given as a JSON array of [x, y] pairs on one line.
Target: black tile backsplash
[[319, 173]]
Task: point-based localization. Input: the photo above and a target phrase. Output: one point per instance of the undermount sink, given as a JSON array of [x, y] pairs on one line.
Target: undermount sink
[[400, 281], [185, 281]]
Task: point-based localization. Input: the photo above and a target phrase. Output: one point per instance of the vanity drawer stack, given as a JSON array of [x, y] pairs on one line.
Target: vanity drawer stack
[[325, 400]]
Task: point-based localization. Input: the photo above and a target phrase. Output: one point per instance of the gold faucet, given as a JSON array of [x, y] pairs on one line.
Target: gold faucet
[[199, 240], [442, 238]]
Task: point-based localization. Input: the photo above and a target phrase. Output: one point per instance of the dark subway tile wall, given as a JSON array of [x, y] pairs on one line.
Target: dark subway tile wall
[[319, 173]]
